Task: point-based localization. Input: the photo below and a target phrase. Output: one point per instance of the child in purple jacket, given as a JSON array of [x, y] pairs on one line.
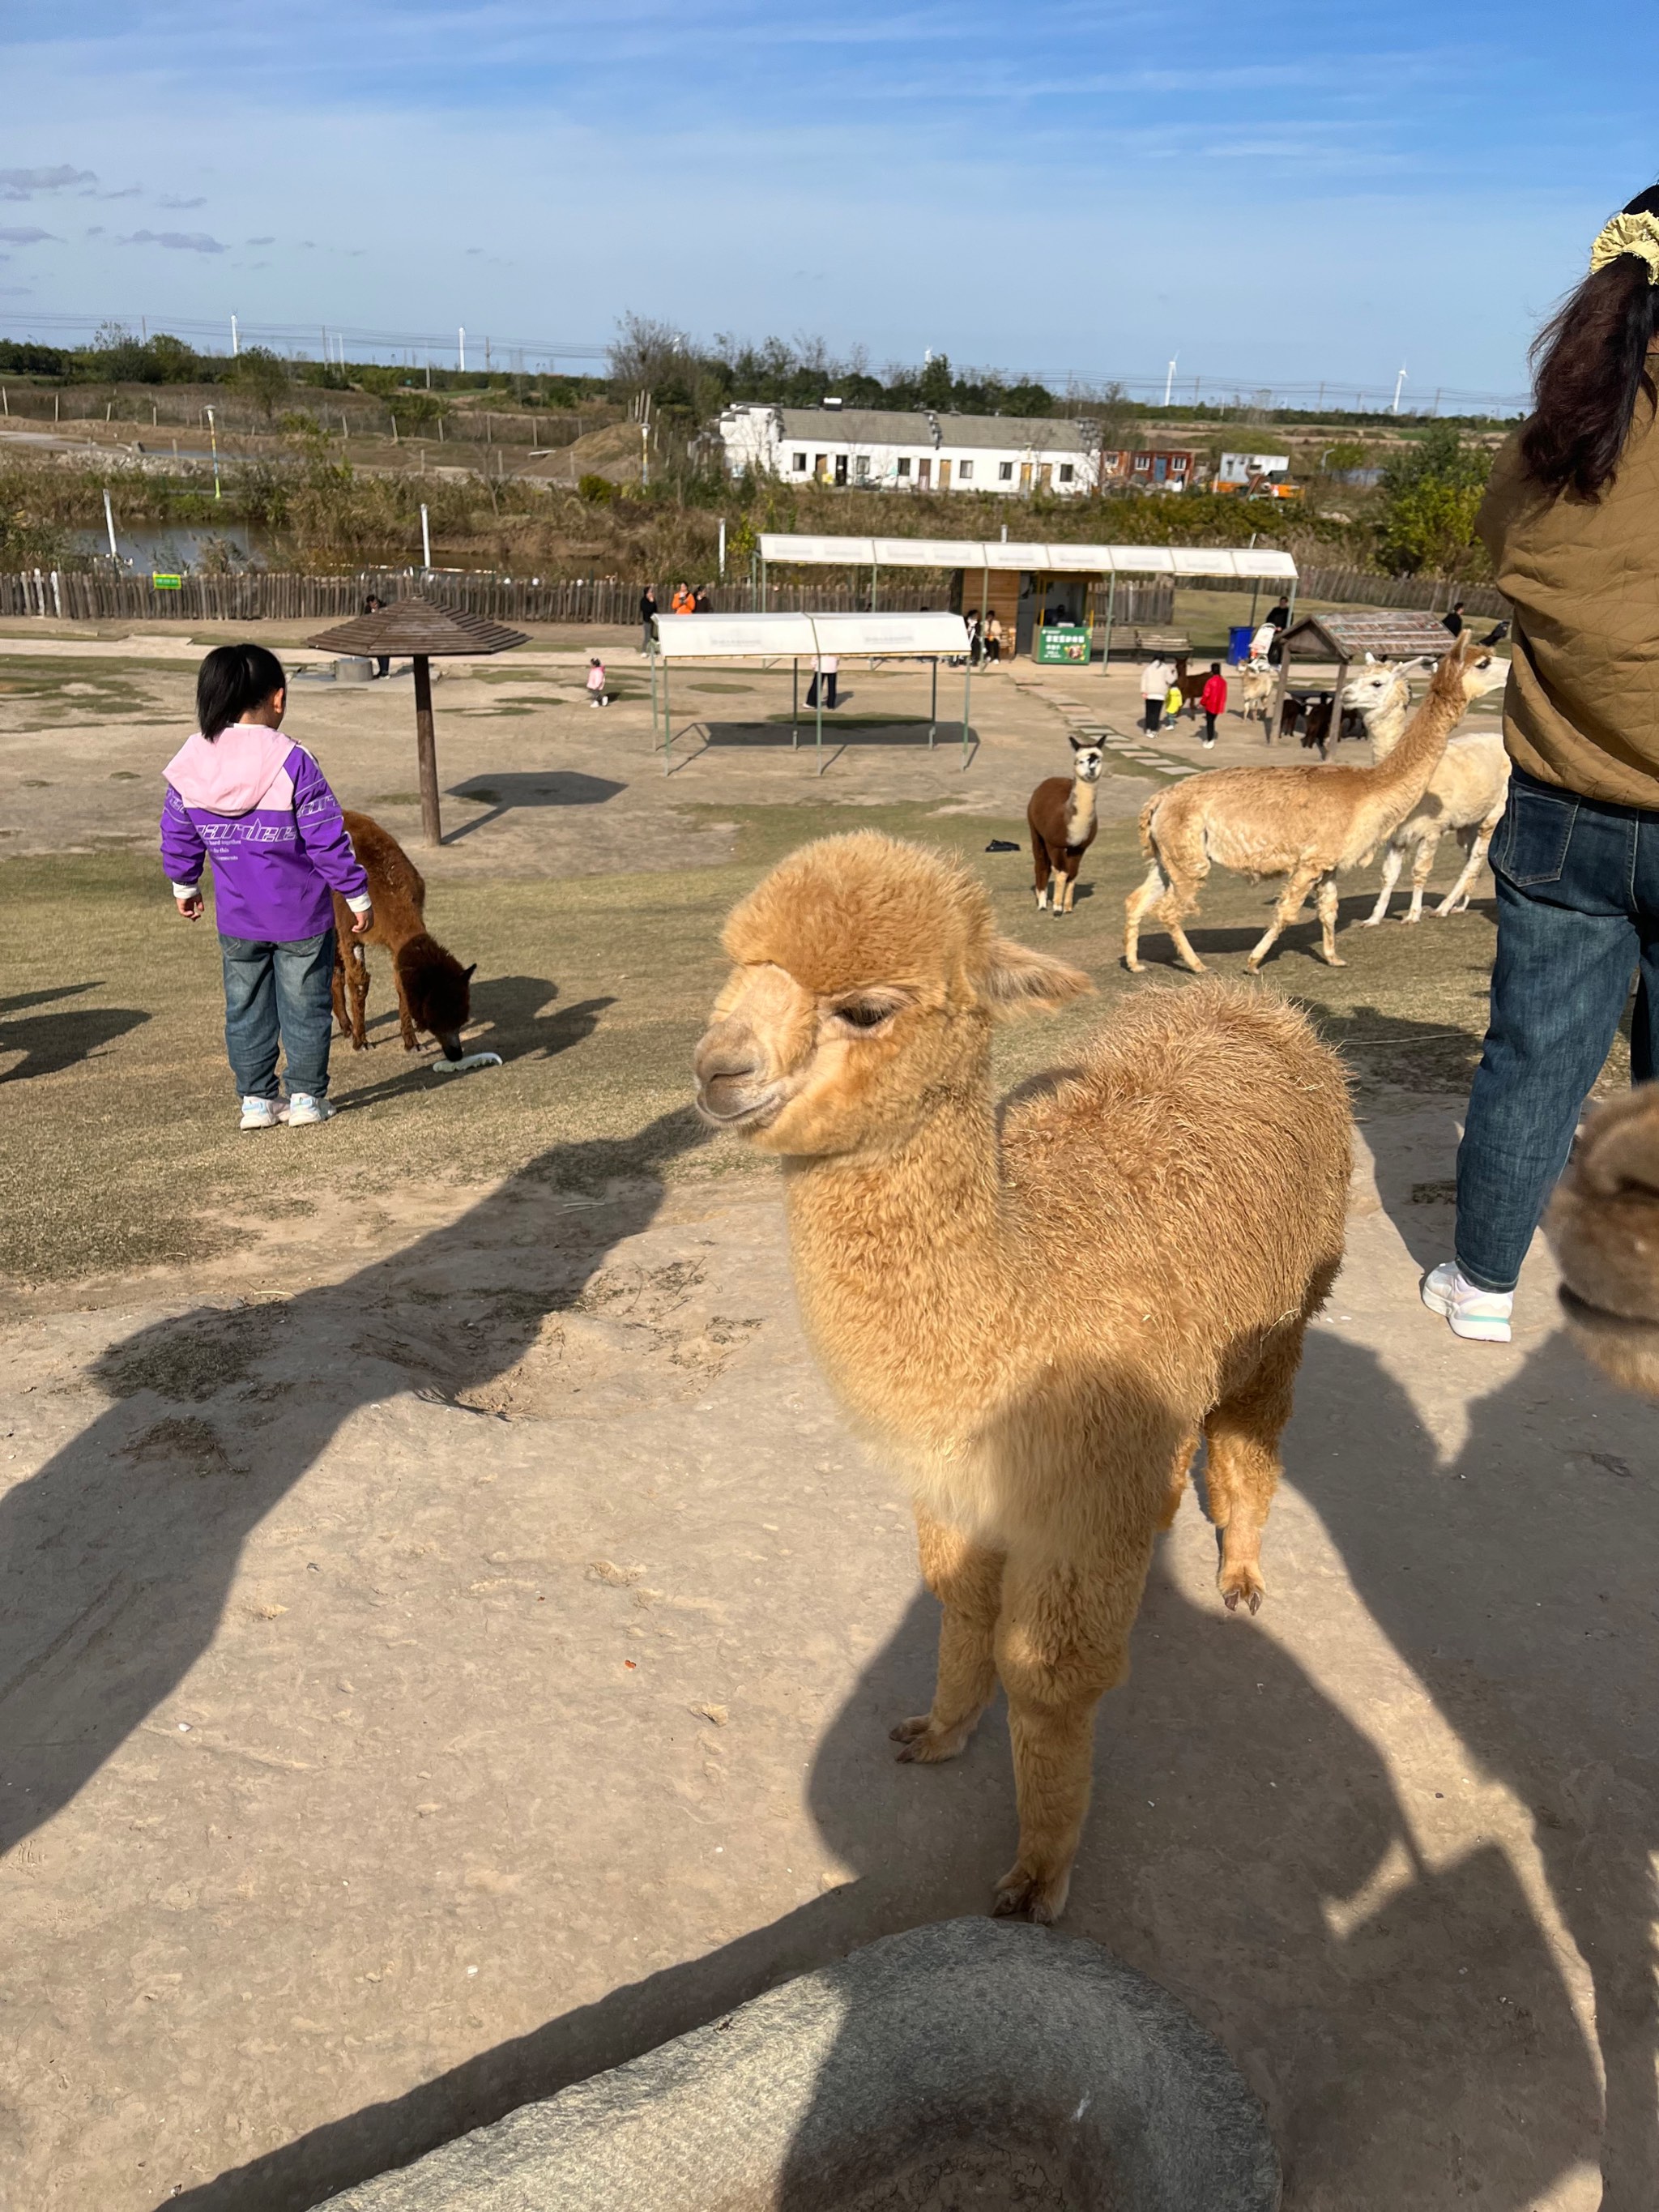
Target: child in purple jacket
[[257, 805]]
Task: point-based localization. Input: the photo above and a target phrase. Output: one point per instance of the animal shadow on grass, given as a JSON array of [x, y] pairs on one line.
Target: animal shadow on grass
[[901, 732], [1248, 1850], [116, 1558], [507, 793], [52, 1043], [1300, 940]]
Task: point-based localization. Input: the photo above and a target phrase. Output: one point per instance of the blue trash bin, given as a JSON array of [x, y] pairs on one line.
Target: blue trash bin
[[1238, 644]]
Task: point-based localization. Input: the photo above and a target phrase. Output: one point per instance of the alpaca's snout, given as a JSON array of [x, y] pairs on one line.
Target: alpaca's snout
[[451, 1041], [732, 1085]]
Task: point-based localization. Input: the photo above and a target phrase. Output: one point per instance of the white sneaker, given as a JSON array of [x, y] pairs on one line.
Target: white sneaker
[[1472, 1312], [260, 1113], [303, 1109]]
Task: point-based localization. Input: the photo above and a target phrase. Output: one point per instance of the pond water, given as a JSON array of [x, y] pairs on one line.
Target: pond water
[[145, 548]]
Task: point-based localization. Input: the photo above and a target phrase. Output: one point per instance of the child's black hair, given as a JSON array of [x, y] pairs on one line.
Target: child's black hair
[[232, 681]]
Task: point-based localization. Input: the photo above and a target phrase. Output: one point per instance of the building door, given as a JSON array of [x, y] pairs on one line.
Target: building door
[[841, 468], [944, 476], [820, 465], [1160, 468], [1025, 476], [924, 474], [1045, 475]]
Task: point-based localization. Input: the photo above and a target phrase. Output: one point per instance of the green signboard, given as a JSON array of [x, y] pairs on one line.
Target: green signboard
[[1061, 643], [167, 583]]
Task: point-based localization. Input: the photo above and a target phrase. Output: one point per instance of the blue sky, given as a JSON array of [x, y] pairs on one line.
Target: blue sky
[[1272, 193]]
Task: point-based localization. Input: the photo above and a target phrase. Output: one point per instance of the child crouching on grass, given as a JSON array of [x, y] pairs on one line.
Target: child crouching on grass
[[241, 794]]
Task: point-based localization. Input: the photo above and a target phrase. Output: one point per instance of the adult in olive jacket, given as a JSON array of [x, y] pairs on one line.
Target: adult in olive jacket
[[1572, 522]]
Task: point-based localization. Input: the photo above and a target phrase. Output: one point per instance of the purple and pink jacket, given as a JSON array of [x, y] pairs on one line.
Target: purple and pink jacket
[[260, 809]]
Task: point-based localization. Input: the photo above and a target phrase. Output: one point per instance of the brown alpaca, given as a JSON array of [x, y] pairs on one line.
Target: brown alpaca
[[1603, 1222], [1193, 1165], [1062, 820], [433, 987], [1307, 823]]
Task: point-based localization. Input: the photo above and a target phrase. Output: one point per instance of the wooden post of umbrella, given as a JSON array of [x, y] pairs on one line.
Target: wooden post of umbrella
[[426, 752], [422, 628]]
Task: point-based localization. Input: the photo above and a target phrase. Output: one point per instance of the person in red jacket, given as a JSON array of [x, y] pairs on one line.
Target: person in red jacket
[[1213, 699]]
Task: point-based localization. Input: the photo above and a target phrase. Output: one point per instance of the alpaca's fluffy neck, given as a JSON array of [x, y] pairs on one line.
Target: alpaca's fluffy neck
[[1398, 780], [901, 1260], [1385, 721], [1080, 810]]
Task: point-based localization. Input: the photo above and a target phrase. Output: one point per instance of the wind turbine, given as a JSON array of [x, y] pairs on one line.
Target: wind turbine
[[1398, 382], [1169, 381]]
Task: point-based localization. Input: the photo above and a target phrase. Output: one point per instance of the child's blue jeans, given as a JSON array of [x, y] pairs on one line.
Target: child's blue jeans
[[278, 993], [1577, 917]]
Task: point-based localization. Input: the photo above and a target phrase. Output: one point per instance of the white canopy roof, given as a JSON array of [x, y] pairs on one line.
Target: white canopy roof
[[1249, 562], [731, 637]]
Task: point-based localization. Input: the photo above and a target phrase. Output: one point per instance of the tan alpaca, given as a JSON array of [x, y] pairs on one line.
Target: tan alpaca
[[1603, 1222], [1466, 793], [1192, 1167], [1257, 684], [1308, 824]]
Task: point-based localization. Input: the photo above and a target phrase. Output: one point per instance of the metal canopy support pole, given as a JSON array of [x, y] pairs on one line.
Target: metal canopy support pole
[[426, 752], [818, 690], [1111, 606], [932, 711], [794, 706], [967, 702], [1333, 728], [667, 720], [1255, 601], [1277, 713], [873, 586]]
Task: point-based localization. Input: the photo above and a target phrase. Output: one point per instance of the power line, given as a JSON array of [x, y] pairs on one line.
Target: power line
[[1331, 395]]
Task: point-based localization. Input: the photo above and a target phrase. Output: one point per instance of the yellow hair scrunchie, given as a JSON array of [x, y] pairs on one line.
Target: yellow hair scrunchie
[[1628, 234]]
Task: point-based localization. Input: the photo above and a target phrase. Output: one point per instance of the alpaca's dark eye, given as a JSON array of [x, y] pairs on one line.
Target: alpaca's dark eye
[[862, 1014]]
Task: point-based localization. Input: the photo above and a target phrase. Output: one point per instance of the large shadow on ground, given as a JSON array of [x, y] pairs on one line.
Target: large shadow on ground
[[842, 732], [516, 1016], [115, 1559], [1403, 2019], [1518, 1583], [51, 1043], [514, 789]]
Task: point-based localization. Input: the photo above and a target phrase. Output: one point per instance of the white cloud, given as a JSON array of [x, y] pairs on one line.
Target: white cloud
[[172, 200], [181, 241], [30, 236], [24, 184]]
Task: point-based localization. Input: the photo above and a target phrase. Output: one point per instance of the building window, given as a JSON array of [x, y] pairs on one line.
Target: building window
[[964, 471], [1005, 472], [861, 467], [904, 466], [1066, 472], [800, 464]]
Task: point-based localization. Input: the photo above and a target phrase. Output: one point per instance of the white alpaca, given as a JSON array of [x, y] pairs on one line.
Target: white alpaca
[[1465, 792], [1256, 685]]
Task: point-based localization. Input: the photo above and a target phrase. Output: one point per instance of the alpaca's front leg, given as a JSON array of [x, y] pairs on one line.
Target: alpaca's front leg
[[1062, 1641], [1288, 910], [1393, 859], [967, 1580], [1422, 869]]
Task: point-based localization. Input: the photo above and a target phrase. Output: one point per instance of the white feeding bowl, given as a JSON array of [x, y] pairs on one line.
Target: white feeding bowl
[[466, 1063]]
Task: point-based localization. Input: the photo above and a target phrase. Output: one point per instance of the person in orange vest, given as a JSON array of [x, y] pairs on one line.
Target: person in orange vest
[[684, 601], [1213, 699]]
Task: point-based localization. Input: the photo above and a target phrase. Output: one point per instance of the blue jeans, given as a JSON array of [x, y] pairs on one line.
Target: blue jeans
[[1577, 917], [278, 992]]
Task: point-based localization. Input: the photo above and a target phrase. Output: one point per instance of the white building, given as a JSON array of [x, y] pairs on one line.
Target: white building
[[1240, 469], [887, 450]]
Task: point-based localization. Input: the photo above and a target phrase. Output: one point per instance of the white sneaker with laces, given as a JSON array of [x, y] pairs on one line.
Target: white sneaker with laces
[[303, 1110], [1483, 1315], [259, 1113]]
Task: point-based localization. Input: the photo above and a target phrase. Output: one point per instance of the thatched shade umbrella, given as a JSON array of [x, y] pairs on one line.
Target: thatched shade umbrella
[[422, 628]]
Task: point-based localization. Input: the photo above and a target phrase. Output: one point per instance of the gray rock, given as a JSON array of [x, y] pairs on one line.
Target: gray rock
[[971, 2064]]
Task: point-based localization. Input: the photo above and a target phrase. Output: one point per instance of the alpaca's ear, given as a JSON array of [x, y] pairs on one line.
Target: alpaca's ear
[[472, 971], [1016, 981]]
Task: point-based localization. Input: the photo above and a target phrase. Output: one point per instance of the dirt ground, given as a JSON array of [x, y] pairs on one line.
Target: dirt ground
[[449, 1635]]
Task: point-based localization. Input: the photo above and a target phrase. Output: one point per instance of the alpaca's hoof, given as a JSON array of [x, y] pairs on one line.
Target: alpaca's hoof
[[1334, 960], [1409, 918], [1370, 921], [1134, 967], [1022, 1895], [1243, 1582], [926, 1745]]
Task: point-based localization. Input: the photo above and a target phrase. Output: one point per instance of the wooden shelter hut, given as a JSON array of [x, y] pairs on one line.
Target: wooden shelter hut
[[426, 631], [1345, 637]]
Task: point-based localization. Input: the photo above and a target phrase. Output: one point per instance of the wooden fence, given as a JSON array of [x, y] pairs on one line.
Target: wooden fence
[[267, 595], [271, 595]]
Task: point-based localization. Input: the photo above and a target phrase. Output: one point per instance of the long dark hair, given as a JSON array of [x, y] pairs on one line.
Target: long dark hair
[[231, 680], [1589, 369]]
